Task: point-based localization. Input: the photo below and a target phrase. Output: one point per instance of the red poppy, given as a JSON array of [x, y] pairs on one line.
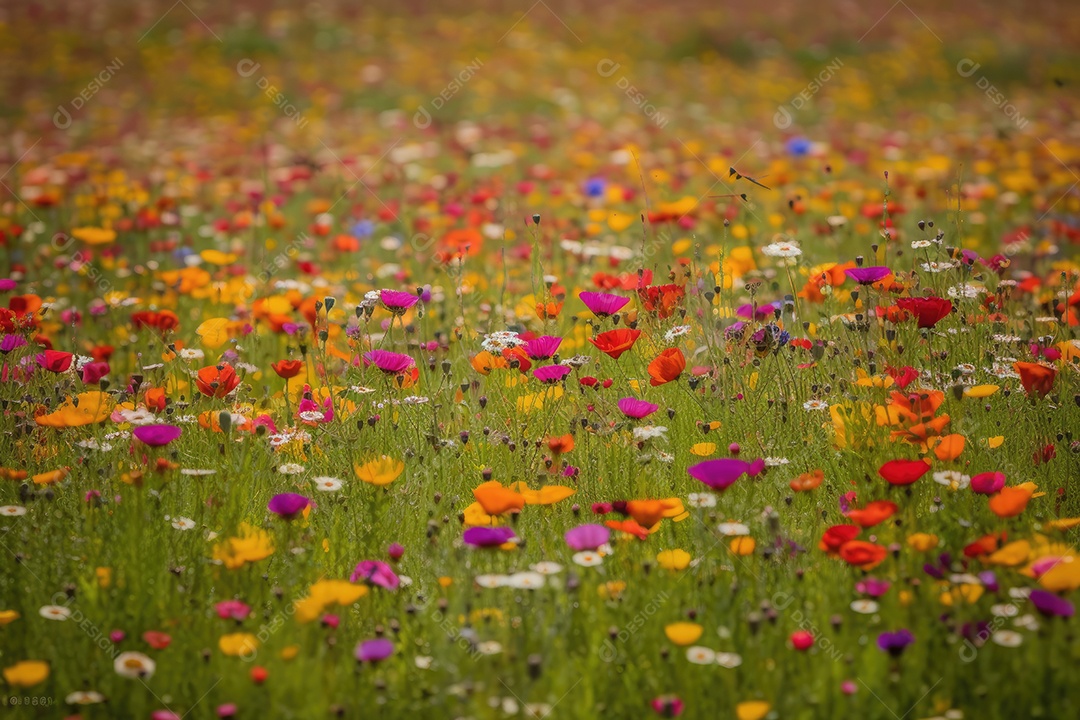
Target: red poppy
[[927, 310], [874, 513], [287, 368], [661, 299], [1037, 379], [837, 536], [161, 321], [519, 355], [862, 554], [217, 380], [807, 481], [156, 639], [561, 444], [628, 526], [984, 545], [667, 366], [614, 343], [55, 360], [903, 472]]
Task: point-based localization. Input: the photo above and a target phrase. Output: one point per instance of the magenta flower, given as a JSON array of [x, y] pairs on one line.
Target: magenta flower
[[156, 435], [763, 311], [488, 536], [551, 374], [232, 610], [873, 587], [1050, 604], [374, 650], [397, 301], [868, 275], [288, 505], [721, 473], [636, 409], [389, 362], [668, 706], [543, 347], [587, 537], [988, 483], [92, 372], [395, 551], [10, 342], [376, 572], [7, 284], [603, 305]]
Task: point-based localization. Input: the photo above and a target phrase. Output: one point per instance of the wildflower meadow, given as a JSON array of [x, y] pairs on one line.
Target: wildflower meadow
[[544, 360]]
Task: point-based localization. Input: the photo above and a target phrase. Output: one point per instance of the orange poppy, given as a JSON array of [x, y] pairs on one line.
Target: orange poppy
[[917, 405], [1011, 501], [217, 380], [548, 311], [155, 399], [286, 369], [874, 513], [496, 499], [667, 366], [862, 554], [630, 527], [807, 481], [484, 362], [614, 343], [517, 354], [648, 512], [561, 444], [1036, 379]]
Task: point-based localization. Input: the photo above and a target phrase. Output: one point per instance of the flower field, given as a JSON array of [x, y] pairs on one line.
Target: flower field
[[503, 361]]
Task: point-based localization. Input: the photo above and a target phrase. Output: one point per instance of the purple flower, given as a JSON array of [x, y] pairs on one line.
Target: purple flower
[[989, 580], [376, 572], [1050, 604], [636, 409], [10, 342], [587, 537], [397, 301], [7, 284], [868, 275], [543, 347], [288, 505], [895, 642], [374, 650], [389, 362], [92, 372], [721, 473], [488, 536], [551, 373], [603, 304], [763, 311], [156, 435]]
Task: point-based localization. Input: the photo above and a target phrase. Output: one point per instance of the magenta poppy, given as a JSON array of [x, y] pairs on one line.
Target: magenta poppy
[[397, 301], [10, 342], [389, 362], [156, 435], [988, 483], [721, 473], [288, 505], [92, 372], [763, 311], [543, 347], [636, 409], [668, 706], [603, 305], [232, 610], [551, 373], [374, 650], [587, 537], [488, 536], [376, 572], [868, 275]]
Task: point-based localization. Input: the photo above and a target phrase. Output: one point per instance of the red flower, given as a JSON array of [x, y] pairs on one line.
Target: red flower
[[287, 368], [1036, 379], [156, 639], [518, 354], [661, 299], [55, 360], [862, 554], [928, 310], [614, 343], [903, 472], [837, 536], [667, 366]]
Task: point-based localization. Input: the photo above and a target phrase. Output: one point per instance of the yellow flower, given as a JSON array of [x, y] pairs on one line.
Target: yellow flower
[[250, 546], [922, 542], [26, 673], [94, 235], [703, 449], [8, 616], [1063, 576], [683, 633], [289, 652], [611, 589], [673, 559], [86, 408], [742, 545], [104, 576], [381, 471], [981, 391], [238, 644], [966, 594], [1012, 554], [752, 710]]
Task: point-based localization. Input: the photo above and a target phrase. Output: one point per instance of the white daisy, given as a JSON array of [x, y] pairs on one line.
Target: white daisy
[[649, 432], [327, 484], [952, 479], [196, 472], [84, 697], [864, 607], [134, 665], [781, 250], [815, 405], [423, 661], [587, 558], [192, 354], [732, 529], [700, 655], [546, 567], [728, 660], [291, 469], [12, 510], [526, 581], [702, 500], [491, 581], [489, 647], [776, 461], [920, 244], [1004, 610], [1007, 638], [937, 267], [183, 523], [54, 612], [675, 333]]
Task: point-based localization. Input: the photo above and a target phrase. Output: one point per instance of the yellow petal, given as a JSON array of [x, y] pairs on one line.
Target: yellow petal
[[683, 633], [673, 559]]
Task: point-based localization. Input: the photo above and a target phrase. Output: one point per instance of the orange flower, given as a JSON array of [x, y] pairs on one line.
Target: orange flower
[[484, 362], [1011, 501], [496, 499], [648, 512], [862, 554], [561, 444], [155, 399], [807, 481], [517, 354], [286, 369], [874, 513], [667, 366], [548, 311], [628, 526], [614, 343], [918, 405], [217, 380], [1036, 379]]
